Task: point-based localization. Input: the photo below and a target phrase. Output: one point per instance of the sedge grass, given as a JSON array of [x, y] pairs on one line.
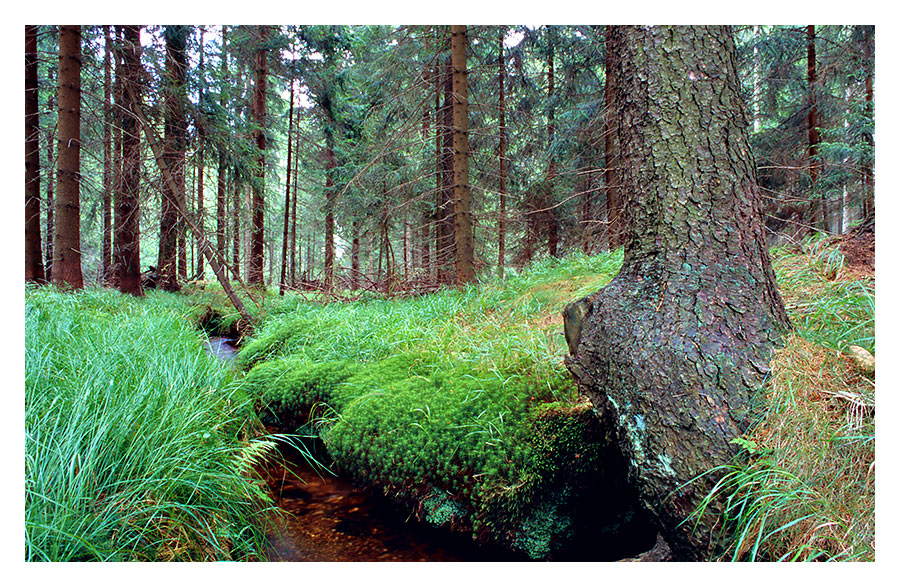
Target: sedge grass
[[139, 446]]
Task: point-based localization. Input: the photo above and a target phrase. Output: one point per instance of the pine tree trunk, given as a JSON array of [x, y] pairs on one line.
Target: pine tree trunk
[[296, 248], [813, 125], [329, 211], [51, 199], [106, 244], [613, 208], [171, 238], [501, 221], [550, 212], [868, 167], [287, 194], [462, 213], [34, 262], [221, 179], [67, 237], [236, 230], [255, 274], [672, 349], [127, 233]]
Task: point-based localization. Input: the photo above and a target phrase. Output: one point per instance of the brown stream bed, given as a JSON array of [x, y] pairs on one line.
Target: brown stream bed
[[327, 518]]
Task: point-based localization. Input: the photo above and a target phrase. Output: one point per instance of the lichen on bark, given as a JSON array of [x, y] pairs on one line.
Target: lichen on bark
[[674, 347]]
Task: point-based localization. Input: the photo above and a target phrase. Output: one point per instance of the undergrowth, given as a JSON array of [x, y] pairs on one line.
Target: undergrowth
[[457, 402], [138, 444], [805, 489]]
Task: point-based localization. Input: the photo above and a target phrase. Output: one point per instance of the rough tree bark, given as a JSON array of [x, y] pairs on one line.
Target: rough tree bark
[[812, 119], [613, 207], [257, 241], [127, 230], [501, 155], [287, 195], [34, 262], [175, 128], [462, 213], [221, 179], [67, 232], [672, 349], [106, 245]]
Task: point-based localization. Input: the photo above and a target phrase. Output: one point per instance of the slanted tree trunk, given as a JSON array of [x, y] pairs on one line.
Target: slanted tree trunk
[[462, 212], [34, 262], [672, 349], [127, 233], [67, 237]]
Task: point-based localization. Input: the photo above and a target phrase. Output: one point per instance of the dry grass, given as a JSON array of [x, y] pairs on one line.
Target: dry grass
[[807, 492]]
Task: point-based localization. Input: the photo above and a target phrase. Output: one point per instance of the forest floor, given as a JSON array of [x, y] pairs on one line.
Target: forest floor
[[457, 406]]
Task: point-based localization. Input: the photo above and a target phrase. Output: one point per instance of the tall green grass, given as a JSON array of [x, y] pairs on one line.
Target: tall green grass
[[138, 445]]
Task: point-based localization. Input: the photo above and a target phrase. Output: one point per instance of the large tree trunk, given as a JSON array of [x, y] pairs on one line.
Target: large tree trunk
[[34, 262], [672, 349], [462, 213], [255, 273], [67, 237], [127, 231], [175, 128]]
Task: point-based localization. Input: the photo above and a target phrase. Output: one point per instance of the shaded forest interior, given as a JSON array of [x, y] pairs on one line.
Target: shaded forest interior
[[335, 158]]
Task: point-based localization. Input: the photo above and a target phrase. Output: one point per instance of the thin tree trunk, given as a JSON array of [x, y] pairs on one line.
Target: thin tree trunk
[[127, 233], [329, 210], [462, 217], [106, 244], [255, 276], [236, 230], [51, 184], [34, 262], [613, 208], [287, 193], [550, 215], [868, 168], [67, 238], [813, 123], [207, 249], [501, 221], [296, 256], [221, 180], [201, 162], [354, 257]]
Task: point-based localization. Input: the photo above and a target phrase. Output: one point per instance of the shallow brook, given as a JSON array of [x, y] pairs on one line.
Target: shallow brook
[[324, 517]]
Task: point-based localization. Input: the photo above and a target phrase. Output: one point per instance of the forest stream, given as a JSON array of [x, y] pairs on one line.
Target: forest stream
[[327, 518]]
